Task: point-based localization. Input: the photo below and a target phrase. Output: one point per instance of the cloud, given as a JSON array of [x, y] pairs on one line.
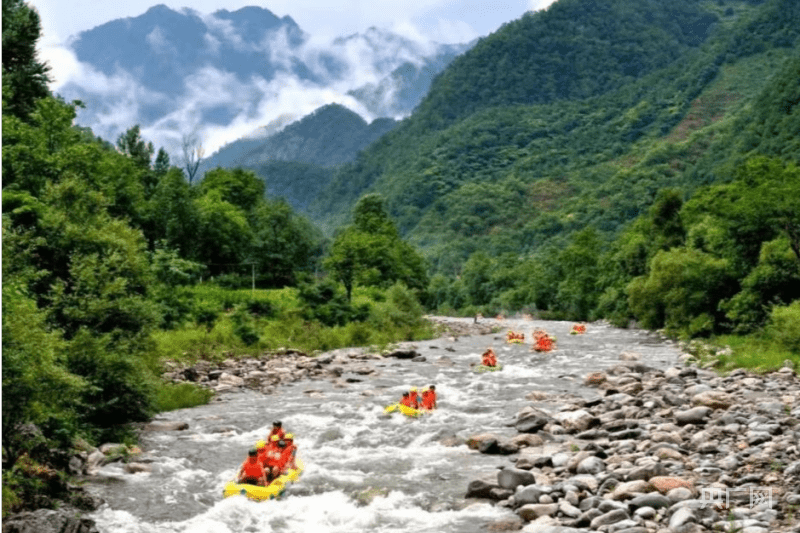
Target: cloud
[[243, 106], [537, 5]]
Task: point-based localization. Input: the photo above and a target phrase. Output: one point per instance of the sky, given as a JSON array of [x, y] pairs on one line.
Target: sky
[[442, 21]]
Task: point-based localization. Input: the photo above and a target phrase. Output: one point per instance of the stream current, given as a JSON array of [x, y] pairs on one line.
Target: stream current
[[351, 449]]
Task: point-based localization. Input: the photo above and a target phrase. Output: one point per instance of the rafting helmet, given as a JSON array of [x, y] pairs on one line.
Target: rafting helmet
[[289, 436], [281, 444], [252, 452], [275, 438], [277, 423], [261, 444]]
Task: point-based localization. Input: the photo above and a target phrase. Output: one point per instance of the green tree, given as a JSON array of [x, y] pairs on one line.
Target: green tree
[[25, 78], [371, 253], [132, 145], [241, 188]]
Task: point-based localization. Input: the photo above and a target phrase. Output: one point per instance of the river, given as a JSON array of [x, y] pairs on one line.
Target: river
[[352, 449]]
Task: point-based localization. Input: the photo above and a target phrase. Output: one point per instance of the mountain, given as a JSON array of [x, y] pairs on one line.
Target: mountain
[[576, 117], [296, 163], [329, 136], [181, 72]]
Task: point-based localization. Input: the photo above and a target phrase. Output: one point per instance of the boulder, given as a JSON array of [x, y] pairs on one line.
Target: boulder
[[480, 488], [511, 478], [714, 399], [664, 484], [166, 426], [532, 511], [406, 353], [62, 520], [575, 421]]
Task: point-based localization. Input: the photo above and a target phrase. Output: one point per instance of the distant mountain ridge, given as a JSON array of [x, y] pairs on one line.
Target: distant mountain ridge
[[175, 72], [299, 162], [328, 137]]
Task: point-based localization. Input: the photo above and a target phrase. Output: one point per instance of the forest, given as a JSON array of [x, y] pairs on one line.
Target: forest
[[638, 166]]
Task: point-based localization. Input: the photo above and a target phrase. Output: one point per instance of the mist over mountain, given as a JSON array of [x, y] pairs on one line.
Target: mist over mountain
[[225, 74]]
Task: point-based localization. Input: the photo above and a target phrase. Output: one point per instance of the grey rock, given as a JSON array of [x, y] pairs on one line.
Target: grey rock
[[480, 489], [696, 415], [511, 478], [61, 520], [647, 471], [681, 517], [532, 511], [530, 494], [608, 518], [591, 465], [652, 499]]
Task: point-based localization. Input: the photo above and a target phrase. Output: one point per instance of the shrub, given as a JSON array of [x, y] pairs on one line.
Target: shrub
[[180, 396], [784, 326]]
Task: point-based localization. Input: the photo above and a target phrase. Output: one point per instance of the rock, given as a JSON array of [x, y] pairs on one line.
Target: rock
[[575, 421], [535, 527], [567, 509], [511, 478], [595, 378], [531, 420], [630, 356], [696, 415], [681, 517], [647, 471], [532, 511], [654, 500], [527, 439], [166, 426], [664, 484], [669, 453], [679, 494], [713, 399], [591, 465], [230, 380], [135, 468], [476, 441], [402, 354], [608, 518], [530, 494], [630, 488], [63, 520], [480, 488]]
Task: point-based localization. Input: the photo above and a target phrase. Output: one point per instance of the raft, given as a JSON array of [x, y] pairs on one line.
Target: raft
[[406, 410], [272, 491], [483, 368]]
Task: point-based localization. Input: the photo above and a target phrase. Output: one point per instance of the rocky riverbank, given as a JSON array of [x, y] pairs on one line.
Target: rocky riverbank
[[677, 451]]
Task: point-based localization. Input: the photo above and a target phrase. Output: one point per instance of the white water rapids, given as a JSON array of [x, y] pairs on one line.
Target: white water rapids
[[350, 446]]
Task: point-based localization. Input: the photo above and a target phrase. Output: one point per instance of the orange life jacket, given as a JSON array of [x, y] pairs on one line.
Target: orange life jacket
[[428, 399], [279, 432], [286, 459], [252, 468], [406, 401]]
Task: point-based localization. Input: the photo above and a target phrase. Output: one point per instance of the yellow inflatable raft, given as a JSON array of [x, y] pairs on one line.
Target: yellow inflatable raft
[[406, 410], [271, 491]]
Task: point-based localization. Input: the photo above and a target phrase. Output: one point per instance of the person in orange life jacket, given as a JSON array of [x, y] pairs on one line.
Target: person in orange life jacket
[[261, 448], [272, 457], [251, 471], [489, 358], [414, 398], [429, 398], [277, 429], [288, 454], [406, 399]]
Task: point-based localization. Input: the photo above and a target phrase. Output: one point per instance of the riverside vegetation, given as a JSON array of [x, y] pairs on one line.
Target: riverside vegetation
[[670, 203]]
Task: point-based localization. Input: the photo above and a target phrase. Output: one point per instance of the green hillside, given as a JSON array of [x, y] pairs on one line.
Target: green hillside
[[488, 163]]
